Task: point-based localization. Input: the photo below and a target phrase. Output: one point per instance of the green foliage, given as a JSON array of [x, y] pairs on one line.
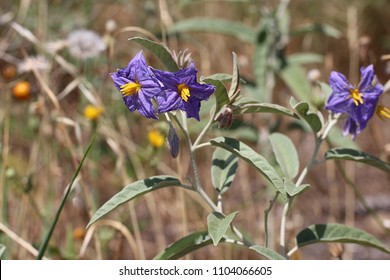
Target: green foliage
[[338, 233], [247, 105], [312, 119], [286, 154], [321, 28], [337, 139], [202, 24], [218, 224], [295, 79], [294, 190], [357, 156], [160, 51], [132, 191], [267, 252], [254, 159], [223, 169], [220, 93], [185, 245]]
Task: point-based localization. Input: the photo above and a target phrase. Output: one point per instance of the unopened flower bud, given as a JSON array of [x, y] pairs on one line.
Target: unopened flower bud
[[225, 118], [173, 141]]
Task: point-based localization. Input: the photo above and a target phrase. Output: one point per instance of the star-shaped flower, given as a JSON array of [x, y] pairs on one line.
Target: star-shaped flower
[[138, 86], [358, 103], [182, 91]]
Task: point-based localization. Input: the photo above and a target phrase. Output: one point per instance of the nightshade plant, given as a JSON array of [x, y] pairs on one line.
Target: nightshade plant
[[177, 95]]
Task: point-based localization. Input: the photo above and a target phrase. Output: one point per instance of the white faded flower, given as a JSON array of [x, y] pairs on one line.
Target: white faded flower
[[55, 46], [314, 75], [85, 44], [39, 63]]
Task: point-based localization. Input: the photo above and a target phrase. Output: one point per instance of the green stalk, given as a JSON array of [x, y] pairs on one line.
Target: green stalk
[[198, 187], [286, 209], [43, 247]]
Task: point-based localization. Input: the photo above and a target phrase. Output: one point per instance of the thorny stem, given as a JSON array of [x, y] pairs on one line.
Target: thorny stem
[[318, 141]]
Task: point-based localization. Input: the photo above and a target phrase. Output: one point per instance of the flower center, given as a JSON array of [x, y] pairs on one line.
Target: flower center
[[184, 91], [130, 88], [356, 96], [382, 112]]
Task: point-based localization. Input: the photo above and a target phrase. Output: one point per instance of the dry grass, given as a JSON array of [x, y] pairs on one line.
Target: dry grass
[[43, 138]]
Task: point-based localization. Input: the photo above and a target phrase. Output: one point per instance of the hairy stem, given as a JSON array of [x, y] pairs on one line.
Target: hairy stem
[[318, 141], [198, 187], [266, 213]]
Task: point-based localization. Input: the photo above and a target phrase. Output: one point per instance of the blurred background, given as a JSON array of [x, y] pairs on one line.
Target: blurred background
[[55, 89]]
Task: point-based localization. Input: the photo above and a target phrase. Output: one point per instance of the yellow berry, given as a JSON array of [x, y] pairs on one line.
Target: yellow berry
[[78, 233], [22, 90], [8, 72]]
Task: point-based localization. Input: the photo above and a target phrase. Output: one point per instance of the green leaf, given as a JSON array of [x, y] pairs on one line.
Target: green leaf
[[132, 191], [286, 154], [304, 58], [312, 119], [358, 156], [160, 51], [218, 224], [235, 77], [185, 245], [204, 24], [2, 249], [246, 106], [254, 159], [338, 233], [223, 77], [295, 79], [336, 137], [326, 89], [220, 93], [264, 56], [317, 28], [223, 169], [267, 253], [294, 190]]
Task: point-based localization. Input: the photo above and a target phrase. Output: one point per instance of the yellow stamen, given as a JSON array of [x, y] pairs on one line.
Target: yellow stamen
[[382, 112], [130, 88], [184, 91], [356, 96]]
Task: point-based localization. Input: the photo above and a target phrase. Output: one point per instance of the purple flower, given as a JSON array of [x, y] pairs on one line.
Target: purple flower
[[182, 91], [358, 103], [138, 86]]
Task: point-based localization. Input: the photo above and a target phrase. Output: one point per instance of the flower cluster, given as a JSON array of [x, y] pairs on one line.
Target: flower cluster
[[141, 84], [358, 103]]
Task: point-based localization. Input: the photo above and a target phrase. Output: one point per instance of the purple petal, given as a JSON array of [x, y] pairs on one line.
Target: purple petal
[[350, 127], [192, 108], [367, 75], [339, 83], [168, 101], [339, 102], [145, 107]]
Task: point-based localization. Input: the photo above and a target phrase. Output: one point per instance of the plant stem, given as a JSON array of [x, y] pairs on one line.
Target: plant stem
[[48, 235], [203, 132], [266, 212], [318, 141], [198, 186]]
